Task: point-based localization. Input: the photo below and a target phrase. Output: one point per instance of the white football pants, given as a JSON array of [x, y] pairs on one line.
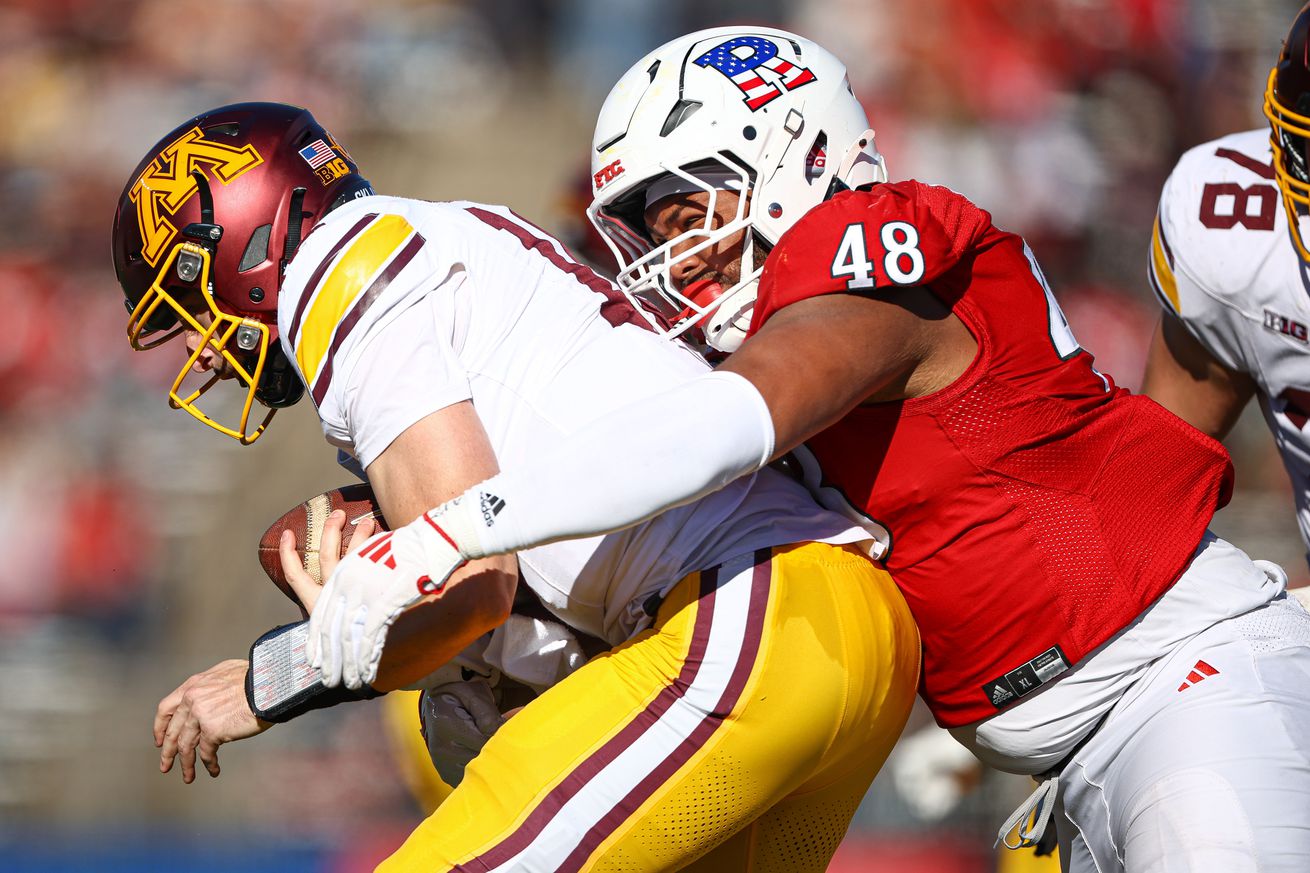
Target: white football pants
[[1204, 765]]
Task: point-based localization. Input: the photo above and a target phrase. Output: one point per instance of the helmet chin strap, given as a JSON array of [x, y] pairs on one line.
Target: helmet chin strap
[[731, 320]]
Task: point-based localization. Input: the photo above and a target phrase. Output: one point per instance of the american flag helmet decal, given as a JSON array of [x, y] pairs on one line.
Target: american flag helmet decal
[[743, 57], [317, 153]]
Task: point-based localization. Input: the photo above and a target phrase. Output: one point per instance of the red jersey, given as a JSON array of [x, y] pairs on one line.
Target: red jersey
[[1035, 508]]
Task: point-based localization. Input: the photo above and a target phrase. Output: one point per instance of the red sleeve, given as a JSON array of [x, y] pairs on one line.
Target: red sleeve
[[901, 233]]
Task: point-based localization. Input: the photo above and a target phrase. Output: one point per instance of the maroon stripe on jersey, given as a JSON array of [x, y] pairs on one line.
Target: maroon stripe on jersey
[[317, 276], [398, 263], [617, 308], [1164, 242], [581, 775], [1155, 286], [700, 735], [1259, 168]]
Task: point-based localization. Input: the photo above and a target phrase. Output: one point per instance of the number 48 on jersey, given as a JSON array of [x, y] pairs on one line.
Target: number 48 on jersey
[[902, 263]]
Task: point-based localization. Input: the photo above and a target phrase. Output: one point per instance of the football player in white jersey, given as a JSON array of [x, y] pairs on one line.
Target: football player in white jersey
[[1232, 271], [761, 665]]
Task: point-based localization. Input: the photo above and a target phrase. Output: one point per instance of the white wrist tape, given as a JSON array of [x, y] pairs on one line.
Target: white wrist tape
[[622, 469]]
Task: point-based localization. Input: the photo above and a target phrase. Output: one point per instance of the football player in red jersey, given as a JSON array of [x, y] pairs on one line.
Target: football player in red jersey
[[1047, 527]]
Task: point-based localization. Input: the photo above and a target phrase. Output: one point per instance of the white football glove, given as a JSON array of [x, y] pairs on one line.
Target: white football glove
[[391, 572]]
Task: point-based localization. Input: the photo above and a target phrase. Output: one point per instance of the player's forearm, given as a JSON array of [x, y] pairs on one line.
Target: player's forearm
[[621, 469], [425, 638]]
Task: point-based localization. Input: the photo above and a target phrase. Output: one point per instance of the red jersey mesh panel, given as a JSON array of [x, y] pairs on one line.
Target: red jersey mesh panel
[[1101, 508], [1015, 438], [1180, 466]]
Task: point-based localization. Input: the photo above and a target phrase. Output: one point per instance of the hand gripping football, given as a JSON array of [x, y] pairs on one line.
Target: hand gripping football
[[306, 522]]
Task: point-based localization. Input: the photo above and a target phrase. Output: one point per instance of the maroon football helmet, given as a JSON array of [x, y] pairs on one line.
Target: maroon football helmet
[[202, 235], [1287, 106]]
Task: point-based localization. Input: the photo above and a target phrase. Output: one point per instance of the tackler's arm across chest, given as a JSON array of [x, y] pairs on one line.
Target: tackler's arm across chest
[[819, 358]]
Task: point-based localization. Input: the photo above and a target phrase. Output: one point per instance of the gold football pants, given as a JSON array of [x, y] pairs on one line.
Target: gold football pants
[[738, 733]]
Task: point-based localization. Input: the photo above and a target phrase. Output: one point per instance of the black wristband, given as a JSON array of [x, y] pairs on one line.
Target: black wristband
[[281, 685]]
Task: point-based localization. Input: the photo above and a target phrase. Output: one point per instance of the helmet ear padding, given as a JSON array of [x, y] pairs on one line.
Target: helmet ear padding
[[279, 385]]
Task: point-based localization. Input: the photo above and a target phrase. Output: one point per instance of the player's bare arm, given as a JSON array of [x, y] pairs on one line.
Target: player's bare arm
[[902, 343], [201, 714], [211, 708], [433, 460], [1182, 376]]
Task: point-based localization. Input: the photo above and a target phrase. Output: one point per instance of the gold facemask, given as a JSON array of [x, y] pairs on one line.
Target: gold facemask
[[191, 263], [1295, 192]]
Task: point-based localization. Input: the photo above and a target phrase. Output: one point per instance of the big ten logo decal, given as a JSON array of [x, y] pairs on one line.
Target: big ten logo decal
[[744, 58], [607, 174], [332, 170], [167, 184], [1279, 323]]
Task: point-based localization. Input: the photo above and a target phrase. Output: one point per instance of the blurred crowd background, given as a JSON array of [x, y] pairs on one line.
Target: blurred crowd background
[[128, 532]]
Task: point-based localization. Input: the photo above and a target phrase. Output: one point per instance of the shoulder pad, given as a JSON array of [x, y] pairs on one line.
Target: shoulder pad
[[346, 275], [894, 234]]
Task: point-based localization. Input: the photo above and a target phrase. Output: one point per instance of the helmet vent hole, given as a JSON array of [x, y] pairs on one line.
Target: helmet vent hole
[[748, 132], [230, 128], [257, 249], [681, 111], [816, 162], [611, 141]]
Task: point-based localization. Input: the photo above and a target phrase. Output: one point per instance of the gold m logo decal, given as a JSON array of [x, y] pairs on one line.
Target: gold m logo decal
[[167, 184]]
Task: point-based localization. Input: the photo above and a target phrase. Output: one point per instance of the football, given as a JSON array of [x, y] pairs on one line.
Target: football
[[306, 521]]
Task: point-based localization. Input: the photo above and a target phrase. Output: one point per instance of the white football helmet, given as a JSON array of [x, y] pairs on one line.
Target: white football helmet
[[746, 109]]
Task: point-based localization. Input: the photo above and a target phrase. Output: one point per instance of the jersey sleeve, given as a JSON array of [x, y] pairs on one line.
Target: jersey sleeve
[[405, 371], [358, 316], [1178, 266], [897, 234]]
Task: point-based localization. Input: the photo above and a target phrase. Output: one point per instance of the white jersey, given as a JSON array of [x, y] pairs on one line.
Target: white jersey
[[1223, 262], [394, 308]]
